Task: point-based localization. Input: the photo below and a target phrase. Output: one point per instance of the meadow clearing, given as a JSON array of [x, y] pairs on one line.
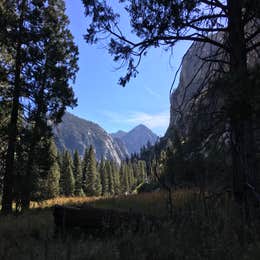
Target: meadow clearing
[[193, 232]]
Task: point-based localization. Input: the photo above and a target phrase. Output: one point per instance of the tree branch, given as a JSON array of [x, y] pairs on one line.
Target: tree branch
[[216, 3]]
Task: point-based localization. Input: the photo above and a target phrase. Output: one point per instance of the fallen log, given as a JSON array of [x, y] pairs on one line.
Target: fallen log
[[100, 221]]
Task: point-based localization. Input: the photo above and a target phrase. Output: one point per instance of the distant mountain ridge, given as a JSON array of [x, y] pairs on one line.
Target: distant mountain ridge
[[75, 133], [135, 139], [119, 134]]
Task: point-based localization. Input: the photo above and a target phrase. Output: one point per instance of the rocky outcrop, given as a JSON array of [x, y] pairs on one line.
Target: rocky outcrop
[[75, 133], [196, 72], [195, 75]]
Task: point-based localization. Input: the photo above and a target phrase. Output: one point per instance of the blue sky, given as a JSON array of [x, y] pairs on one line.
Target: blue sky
[[100, 99]]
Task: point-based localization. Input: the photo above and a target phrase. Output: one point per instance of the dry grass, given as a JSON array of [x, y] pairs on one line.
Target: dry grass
[[191, 234], [148, 203], [62, 201]]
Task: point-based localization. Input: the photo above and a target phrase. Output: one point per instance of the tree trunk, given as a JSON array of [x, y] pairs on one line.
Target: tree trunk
[[241, 110], [13, 129], [12, 136]]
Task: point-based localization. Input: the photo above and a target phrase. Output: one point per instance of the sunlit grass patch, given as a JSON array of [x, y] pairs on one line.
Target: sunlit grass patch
[[154, 203], [62, 201]]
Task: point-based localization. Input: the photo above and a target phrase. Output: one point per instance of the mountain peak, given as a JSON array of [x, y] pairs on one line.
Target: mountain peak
[[75, 133], [136, 138], [119, 134], [142, 126]]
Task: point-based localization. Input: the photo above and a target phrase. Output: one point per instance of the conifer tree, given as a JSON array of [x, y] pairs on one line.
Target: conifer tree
[[108, 187], [124, 177], [111, 179], [107, 172], [102, 176], [53, 177], [85, 164], [36, 37], [116, 177], [67, 181], [46, 174], [91, 178], [130, 176], [98, 185], [77, 172], [142, 176]]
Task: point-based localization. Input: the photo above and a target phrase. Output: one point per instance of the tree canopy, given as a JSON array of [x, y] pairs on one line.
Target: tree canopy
[[164, 23]]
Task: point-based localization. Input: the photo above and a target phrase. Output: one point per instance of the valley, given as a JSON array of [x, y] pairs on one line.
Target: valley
[[182, 182]]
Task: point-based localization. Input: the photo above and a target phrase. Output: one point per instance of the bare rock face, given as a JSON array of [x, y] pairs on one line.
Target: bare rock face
[[75, 133], [196, 73]]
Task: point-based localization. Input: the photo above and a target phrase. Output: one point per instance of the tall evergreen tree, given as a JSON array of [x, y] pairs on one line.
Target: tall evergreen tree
[[101, 170], [111, 179], [124, 177], [98, 185], [117, 188], [53, 176], [142, 175], [77, 172], [47, 177], [91, 178], [67, 180], [44, 61], [107, 170], [85, 163]]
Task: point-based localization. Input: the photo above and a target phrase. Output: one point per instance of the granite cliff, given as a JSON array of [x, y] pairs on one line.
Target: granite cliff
[[75, 133]]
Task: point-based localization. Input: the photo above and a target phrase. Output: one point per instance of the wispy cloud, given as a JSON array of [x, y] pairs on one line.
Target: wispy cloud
[[157, 121], [151, 92]]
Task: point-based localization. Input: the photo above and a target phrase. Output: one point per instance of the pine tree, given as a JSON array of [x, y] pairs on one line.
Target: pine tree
[[124, 177], [111, 179], [142, 176], [91, 178], [102, 176], [44, 169], [116, 177], [53, 177], [77, 172], [85, 164], [98, 185], [130, 175], [107, 171], [67, 181], [40, 46]]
